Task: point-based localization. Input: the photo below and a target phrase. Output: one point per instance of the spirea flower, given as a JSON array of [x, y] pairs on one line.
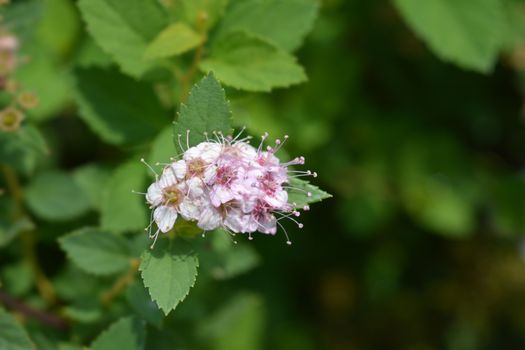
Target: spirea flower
[[225, 183]]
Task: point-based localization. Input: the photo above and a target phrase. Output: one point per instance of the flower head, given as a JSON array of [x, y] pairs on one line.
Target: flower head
[[225, 183]]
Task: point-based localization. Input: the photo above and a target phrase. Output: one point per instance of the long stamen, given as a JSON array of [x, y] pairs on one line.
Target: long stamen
[[179, 141], [285, 233], [239, 134], [149, 167]]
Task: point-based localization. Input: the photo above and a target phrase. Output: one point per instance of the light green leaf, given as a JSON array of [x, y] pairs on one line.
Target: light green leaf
[[96, 251], [12, 335], [124, 28], [201, 12], [87, 311], [169, 271], [176, 39], [249, 63], [468, 33], [49, 82], [299, 193], [139, 299], [206, 111], [127, 333], [282, 22], [60, 26], [441, 207], [118, 108], [9, 230], [92, 180], [162, 149], [122, 210], [89, 54], [55, 196], [226, 259], [239, 325]]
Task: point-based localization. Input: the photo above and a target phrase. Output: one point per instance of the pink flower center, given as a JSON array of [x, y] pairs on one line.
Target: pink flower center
[[225, 175], [196, 167]]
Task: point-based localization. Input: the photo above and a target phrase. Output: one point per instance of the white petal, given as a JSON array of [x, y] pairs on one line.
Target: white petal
[[154, 194], [209, 219], [189, 210], [236, 221], [179, 169], [220, 195], [167, 178], [196, 187], [210, 174], [165, 217], [210, 152], [268, 224], [278, 200], [192, 153]]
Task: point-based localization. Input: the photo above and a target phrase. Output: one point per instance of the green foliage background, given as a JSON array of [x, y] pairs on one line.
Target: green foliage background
[[411, 112]]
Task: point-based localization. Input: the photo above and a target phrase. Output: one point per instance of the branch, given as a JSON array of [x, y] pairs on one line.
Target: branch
[[46, 318]]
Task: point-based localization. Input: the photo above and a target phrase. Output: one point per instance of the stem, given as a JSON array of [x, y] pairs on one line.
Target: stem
[[187, 78], [46, 318], [43, 284], [120, 284]]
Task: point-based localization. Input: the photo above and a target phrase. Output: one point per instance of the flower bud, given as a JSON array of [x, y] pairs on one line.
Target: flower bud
[[10, 119]]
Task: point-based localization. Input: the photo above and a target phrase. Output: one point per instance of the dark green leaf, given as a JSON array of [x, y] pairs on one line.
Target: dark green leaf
[[96, 251], [55, 196], [118, 108], [300, 190], [283, 22], [169, 270], [249, 63], [127, 333], [206, 111], [124, 28], [12, 335]]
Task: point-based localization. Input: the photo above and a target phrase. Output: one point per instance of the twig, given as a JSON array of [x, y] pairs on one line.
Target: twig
[[120, 284], [46, 318], [44, 286]]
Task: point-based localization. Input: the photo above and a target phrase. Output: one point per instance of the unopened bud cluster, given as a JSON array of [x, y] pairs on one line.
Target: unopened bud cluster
[[225, 183], [12, 116]]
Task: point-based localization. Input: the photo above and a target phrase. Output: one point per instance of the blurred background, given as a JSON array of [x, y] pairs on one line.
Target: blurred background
[[421, 246]]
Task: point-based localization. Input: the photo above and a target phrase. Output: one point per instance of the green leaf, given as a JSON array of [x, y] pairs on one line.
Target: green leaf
[[176, 39], [9, 231], [92, 180], [47, 80], [122, 210], [239, 325], [55, 196], [299, 195], [250, 63], [12, 335], [282, 22], [140, 301], [86, 311], [206, 111], [119, 109], [468, 33], [169, 271], [226, 260], [127, 333], [162, 149], [60, 26], [124, 28], [96, 251]]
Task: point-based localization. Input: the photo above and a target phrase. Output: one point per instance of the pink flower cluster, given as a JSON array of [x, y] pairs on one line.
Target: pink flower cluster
[[225, 183]]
